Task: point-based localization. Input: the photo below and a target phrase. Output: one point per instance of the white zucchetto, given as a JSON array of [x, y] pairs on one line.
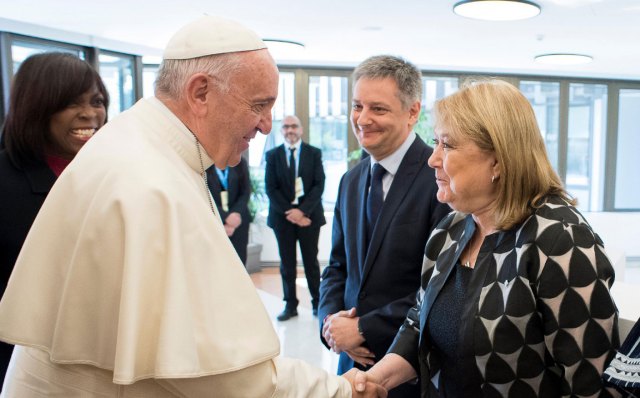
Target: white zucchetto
[[211, 35]]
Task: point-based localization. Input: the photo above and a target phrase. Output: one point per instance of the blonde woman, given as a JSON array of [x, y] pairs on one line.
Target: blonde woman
[[515, 287]]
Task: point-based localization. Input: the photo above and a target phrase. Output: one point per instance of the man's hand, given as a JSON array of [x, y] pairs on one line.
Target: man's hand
[[229, 230], [233, 220], [361, 355], [304, 222], [340, 331], [363, 386], [294, 215]]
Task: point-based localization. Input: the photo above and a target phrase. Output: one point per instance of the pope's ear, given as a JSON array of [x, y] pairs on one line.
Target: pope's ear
[[196, 90]]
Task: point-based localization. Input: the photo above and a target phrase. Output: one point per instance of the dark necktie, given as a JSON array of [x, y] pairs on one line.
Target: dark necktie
[[374, 199], [292, 172]]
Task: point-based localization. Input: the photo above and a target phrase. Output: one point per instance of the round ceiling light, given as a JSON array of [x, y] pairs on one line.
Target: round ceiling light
[[497, 10], [284, 49], [563, 59], [280, 43]]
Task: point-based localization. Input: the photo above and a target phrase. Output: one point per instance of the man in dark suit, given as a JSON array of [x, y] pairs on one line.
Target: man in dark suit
[[231, 189], [294, 180], [385, 211]]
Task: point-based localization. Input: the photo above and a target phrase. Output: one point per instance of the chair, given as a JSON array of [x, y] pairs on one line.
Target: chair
[[624, 370]]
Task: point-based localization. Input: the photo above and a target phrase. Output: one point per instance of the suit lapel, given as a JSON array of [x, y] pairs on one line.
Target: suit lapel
[[361, 203], [414, 160], [214, 185], [301, 158], [448, 259], [40, 177], [284, 166], [232, 184]]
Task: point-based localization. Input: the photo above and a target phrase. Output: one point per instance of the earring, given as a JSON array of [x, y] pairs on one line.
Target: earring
[[493, 178]]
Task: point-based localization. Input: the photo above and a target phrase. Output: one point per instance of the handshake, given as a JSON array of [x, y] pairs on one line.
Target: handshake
[[363, 386], [342, 334]]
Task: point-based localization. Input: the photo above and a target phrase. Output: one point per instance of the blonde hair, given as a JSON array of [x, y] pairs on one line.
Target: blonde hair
[[497, 117]]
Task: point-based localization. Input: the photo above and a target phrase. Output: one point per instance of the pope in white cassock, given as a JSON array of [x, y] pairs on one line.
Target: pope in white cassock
[[127, 285]]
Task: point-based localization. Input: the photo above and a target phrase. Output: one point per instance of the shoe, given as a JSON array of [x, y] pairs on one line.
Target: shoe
[[315, 312], [286, 315]]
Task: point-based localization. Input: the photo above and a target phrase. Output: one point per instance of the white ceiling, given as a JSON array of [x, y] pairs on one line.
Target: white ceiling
[[343, 33]]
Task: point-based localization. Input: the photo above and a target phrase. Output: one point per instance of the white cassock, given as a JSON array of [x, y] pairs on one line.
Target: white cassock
[[127, 284]]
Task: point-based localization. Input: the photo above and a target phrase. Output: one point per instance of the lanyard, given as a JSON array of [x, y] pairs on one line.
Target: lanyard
[[222, 175]]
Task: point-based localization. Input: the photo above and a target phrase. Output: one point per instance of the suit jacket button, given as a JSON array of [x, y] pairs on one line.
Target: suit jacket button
[[362, 295]]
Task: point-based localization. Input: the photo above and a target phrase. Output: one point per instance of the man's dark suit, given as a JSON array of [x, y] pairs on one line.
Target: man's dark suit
[[239, 191], [279, 187], [23, 192], [381, 282]]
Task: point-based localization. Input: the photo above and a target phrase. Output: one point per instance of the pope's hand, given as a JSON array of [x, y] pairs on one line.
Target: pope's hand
[[363, 386]]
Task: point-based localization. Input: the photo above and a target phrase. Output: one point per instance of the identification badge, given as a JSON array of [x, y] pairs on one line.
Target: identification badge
[[224, 200], [299, 188]]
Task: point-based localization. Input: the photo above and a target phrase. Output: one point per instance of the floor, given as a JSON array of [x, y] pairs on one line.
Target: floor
[[299, 336]]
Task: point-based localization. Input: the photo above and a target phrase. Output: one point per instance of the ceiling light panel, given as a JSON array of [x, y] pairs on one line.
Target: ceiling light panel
[[497, 10]]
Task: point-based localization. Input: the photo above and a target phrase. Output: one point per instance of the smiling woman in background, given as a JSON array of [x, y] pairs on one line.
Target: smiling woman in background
[[57, 103]]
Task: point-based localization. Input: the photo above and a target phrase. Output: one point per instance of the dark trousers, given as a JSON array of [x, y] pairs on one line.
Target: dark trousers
[[308, 238]]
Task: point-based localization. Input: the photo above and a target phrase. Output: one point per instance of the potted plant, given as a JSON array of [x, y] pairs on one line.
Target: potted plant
[[257, 203]]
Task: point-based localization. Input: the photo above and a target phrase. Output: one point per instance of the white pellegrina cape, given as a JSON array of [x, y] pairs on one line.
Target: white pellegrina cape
[[127, 269]]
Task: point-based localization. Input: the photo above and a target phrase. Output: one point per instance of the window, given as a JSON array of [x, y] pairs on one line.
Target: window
[[586, 144], [433, 89], [284, 105], [571, 114], [627, 192], [328, 128], [149, 74], [117, 73], [545, 100], [23, 49]]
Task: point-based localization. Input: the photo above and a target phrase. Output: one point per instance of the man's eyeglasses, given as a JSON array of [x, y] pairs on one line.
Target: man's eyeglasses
[[289, 126]]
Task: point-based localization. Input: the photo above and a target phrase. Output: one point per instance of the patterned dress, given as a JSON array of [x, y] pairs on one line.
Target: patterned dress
[[537, 317]]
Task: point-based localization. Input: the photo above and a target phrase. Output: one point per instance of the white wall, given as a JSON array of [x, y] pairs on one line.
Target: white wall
[[620, 233], [620, 230]]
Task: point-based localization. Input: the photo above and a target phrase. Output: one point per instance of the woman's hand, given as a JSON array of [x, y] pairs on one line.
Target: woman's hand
[[362, 385]]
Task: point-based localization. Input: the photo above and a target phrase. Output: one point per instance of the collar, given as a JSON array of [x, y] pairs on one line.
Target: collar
[[57, 164], [392, 162], [184, 142], [297, 145]]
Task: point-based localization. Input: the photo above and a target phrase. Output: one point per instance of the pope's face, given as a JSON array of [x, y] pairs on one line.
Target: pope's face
[[236, 116]]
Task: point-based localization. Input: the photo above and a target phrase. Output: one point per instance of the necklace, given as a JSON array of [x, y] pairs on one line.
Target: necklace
[[467, 264], [204, 175], [469, 250]]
